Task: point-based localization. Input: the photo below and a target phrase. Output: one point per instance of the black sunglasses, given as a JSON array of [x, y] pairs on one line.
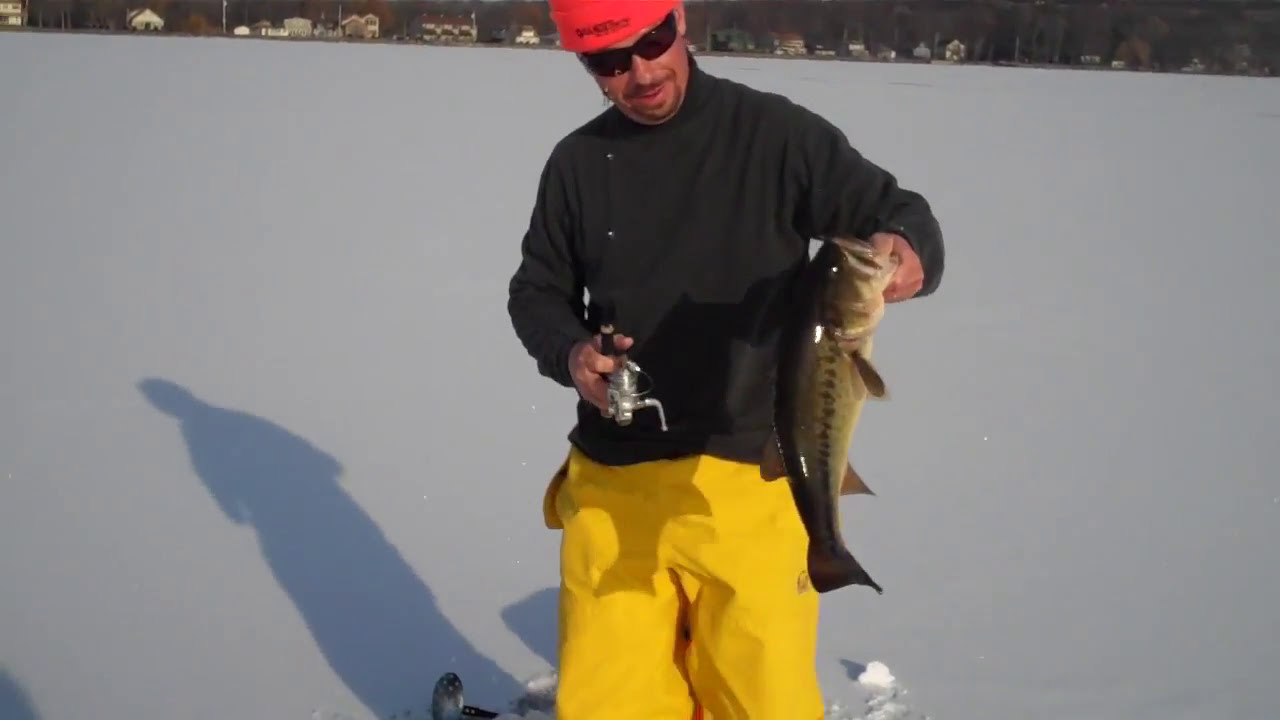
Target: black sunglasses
[[617, 61]]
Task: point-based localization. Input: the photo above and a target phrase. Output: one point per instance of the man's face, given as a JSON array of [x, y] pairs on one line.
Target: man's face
[[652, 90]]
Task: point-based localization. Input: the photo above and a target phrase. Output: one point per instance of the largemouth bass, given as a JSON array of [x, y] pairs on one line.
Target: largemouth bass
[[822, 381]]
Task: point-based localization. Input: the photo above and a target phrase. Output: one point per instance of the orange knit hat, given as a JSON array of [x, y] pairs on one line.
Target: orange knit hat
[[590, 25]]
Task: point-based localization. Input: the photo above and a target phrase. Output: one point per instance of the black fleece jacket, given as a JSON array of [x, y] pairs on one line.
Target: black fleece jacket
[[693, 231]]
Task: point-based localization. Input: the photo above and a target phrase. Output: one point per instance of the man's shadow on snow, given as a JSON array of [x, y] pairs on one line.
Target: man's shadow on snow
[[15, 703], [372, 617], [535, 620]]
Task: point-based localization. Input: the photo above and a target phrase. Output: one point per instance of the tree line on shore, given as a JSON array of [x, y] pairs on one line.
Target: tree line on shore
[[1231, 36]]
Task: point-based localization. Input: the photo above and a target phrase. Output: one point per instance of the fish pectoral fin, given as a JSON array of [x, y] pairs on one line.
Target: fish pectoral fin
[[771, 465], [870, 376], [852, 483]]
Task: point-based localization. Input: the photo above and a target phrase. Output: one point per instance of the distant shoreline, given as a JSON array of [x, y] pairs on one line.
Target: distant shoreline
[[700, 52]]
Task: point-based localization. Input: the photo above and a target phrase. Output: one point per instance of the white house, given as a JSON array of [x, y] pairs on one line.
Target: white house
[[13, 13], [144, 19], [528, 36], [298, 27], [789, 43], [266, 29], [361, 26], [955, 51], [441, 28]]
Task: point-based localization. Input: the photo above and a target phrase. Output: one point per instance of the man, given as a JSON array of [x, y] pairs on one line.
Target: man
[[685, 210]]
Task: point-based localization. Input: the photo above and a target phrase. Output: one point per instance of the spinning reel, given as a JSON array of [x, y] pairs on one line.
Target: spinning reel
[[625, 397]]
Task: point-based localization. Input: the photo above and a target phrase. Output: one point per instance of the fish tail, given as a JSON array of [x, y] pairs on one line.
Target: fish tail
[[831, 568]]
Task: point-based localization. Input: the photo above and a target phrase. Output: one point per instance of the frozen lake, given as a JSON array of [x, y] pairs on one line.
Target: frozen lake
[[269, 446]]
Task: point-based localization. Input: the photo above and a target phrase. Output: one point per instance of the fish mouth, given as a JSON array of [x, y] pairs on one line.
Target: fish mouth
[[862, 255], [854, 246]]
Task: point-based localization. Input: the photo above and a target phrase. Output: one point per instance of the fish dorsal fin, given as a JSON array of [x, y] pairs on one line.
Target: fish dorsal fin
[[852, 483], [870, 377], [771, 465]]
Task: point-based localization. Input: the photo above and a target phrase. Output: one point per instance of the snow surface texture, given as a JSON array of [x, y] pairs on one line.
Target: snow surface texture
[[269, 446]]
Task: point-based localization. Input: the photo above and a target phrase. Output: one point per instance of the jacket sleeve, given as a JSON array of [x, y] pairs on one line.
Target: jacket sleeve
[[843, 192], [545, 295]]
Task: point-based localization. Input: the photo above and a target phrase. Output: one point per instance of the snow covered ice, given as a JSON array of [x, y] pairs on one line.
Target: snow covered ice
[[270, 448]]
